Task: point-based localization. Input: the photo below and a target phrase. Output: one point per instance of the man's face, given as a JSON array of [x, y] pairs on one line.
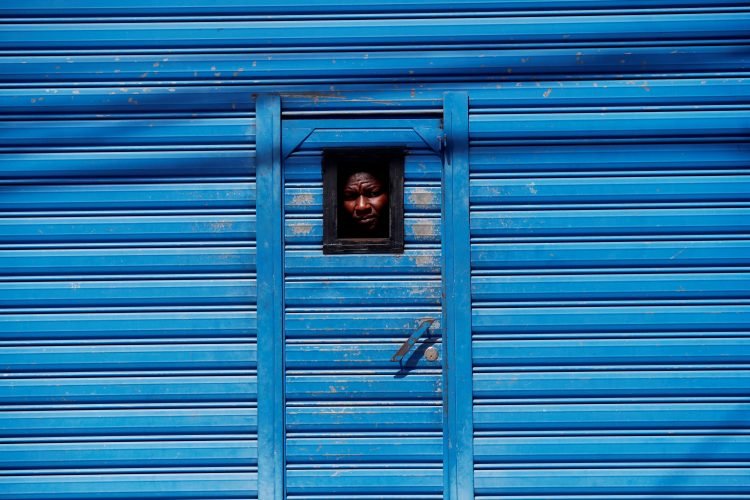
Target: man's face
[[365, 200]]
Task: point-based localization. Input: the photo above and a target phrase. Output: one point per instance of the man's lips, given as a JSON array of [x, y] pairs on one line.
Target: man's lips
[[365, 220]]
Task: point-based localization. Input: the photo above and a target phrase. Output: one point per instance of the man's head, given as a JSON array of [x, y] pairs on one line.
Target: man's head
[[365, 203]]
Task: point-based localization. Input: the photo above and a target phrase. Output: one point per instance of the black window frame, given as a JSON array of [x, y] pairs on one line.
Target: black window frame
[[372, 158]]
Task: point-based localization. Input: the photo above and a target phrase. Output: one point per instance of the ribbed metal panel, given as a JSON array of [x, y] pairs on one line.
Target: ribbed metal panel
[[610, 287], [332, 8], [128, 295], [358, 425], [609, 253], [239, 43], [378, 67], [282, 35]]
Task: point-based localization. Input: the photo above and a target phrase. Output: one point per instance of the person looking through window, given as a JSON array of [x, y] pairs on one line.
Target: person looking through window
[[364, 206]]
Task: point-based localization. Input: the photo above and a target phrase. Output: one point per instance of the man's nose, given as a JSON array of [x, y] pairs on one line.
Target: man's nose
[[362, 203]]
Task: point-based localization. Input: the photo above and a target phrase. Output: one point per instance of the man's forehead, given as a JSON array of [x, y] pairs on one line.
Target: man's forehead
[[362, 177]]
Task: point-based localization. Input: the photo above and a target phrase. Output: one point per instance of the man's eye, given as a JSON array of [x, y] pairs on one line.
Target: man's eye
[[350, 195], [374, 194]]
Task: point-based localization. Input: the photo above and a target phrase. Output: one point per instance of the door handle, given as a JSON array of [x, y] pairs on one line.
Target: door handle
[[409, 343]]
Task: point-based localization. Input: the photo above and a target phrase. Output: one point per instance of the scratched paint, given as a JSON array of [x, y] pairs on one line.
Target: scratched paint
[[423, 199], [424, 229], [425, 261], [303, 199], [616, 215], [363, 307], [302, 228]]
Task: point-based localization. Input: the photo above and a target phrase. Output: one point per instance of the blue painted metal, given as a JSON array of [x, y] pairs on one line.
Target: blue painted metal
[[271, 435], [141, 133], [127, 293], [458, 434], [367, 34], [317, 135], [354, 418], [609, 258], [127, 163], [687, 94], [44, 8], [382, 67], [666, 480], [93, 228], [140, 484], [508, 127], [128, 320]]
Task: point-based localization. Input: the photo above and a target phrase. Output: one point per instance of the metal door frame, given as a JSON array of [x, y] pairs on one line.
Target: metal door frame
[[458, 401], [275, 141]]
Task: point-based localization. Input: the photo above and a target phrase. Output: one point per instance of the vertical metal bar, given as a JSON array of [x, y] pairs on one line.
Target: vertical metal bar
[[457, 366], [270, 268]]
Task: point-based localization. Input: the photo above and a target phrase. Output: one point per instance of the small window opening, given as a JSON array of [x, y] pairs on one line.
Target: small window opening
[[363, 194]]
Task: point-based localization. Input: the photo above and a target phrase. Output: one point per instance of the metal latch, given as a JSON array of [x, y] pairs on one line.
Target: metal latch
[[409, 343]]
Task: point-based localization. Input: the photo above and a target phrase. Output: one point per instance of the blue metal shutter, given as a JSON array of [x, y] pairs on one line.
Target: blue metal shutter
[[359, 426], [128, 302], [312, 45], [111, 63], [610, 286]]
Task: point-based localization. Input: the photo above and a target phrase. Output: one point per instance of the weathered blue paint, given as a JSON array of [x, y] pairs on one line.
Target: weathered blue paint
[[311, 8], [316, 135], [348, 403], [271, 442], [604, 307], [458, 434]]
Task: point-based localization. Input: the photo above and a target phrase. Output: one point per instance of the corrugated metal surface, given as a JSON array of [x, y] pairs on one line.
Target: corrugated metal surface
[[609, 198], [128, 304], [252, 43], [610, 293], [358, 425]]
